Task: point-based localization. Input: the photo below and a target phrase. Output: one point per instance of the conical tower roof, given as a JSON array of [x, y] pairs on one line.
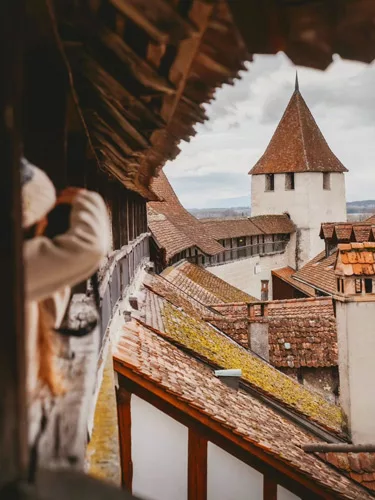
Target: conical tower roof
[[297, 144]]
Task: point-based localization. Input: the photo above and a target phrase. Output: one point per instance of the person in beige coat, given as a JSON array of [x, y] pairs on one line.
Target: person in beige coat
[[54, 265]]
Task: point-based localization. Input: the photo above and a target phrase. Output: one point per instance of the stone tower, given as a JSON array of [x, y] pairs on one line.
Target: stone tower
[[299, 175]]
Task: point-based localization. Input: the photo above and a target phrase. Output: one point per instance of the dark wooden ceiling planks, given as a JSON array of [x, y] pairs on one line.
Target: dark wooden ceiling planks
[[142, 71]]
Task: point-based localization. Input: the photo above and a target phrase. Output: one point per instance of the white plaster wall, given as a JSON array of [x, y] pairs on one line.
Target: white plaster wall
[[308, 205], [283, 494], [241, 273], [230, 479], [159, 453], [356, 344]]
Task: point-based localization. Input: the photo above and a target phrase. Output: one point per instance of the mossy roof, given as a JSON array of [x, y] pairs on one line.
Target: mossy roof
[[213, 346], [204, 286]]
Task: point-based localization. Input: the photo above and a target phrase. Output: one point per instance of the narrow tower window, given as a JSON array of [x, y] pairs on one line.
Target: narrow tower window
[[326, 181], [289, 181], [270, 182], [368, 285]]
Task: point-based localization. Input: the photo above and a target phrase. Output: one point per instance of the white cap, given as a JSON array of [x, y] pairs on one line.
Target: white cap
[[38, 194]]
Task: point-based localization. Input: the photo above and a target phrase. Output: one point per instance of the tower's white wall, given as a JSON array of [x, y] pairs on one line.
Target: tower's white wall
[[308, 206], [356, 346]]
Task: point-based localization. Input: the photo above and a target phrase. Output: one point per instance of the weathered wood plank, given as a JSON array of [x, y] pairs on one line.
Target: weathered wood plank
[[158, 18], [13, 441], [139, 68], [197, 466], [125, 422], [269, 488]]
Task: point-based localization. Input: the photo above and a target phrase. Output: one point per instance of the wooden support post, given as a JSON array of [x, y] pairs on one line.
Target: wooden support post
[[124, 422], [13, 433], [197, 466], [269, 488]]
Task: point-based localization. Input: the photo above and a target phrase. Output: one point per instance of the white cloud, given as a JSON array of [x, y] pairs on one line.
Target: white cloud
[[214, 165]]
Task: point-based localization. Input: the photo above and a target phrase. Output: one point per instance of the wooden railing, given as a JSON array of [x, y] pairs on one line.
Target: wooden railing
[[118, 274]]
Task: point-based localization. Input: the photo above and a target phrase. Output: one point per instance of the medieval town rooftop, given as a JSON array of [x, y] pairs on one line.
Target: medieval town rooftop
[[149, 353]]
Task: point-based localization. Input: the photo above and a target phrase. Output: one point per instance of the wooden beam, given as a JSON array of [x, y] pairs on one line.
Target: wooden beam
[[134, 109], [13, 432], [200, 14], [158, 18], [197, 466], [139, 68], [125, 423], [269, 488]]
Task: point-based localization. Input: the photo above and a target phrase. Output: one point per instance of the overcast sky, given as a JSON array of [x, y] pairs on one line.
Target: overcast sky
[[211, 170]]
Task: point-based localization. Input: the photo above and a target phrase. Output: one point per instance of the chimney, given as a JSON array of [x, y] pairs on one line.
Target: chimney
[[258, 329], [230, 377], [264, 290], [355, 317]]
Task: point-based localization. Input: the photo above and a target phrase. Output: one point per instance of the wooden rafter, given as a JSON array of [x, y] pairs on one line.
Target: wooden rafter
[[141, 70], [158, 18]]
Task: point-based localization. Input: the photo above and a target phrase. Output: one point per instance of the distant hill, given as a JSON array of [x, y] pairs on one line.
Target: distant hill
[[357, 210], [239, 202], [361, 207]]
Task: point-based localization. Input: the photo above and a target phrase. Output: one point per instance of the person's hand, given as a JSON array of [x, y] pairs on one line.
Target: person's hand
[[68, 195]]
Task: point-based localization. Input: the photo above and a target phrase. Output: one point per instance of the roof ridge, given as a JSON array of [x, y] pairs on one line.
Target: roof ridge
[[299, 95]]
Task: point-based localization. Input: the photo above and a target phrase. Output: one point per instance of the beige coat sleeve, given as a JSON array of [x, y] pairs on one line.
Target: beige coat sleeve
[[70, 258]]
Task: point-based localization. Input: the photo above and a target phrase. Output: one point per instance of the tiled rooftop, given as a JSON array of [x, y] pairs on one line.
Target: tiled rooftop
[[302, 332], [274, 224], [173, 227], [344, 232], [206, 342], [235, 228], [319, 273], [297, 144], [286, 274], [204, 286], [356, 259], [164, 288], [190, 381], [358, 466]]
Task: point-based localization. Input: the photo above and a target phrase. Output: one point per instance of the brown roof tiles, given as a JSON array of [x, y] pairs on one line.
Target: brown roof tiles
[[274, 224], [356, 259], [297, 144], [286, 274], [319, 273], [203, 285], [192, 383], [358, 466], [302, 332], [173, 227], [230, 228]]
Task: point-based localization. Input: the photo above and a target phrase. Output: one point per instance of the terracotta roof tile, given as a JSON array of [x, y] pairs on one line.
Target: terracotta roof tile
[[302, 332], [230, 228], [286, 274], [179, 298], [356, 259], [358, 466], [341, 232], [297, 144], [274, 224], [173, 227], [203, 285], [155, 359], [205, 341], [319, 273]]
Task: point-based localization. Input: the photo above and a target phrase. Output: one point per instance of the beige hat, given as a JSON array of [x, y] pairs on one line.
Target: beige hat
[[38, 194]]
